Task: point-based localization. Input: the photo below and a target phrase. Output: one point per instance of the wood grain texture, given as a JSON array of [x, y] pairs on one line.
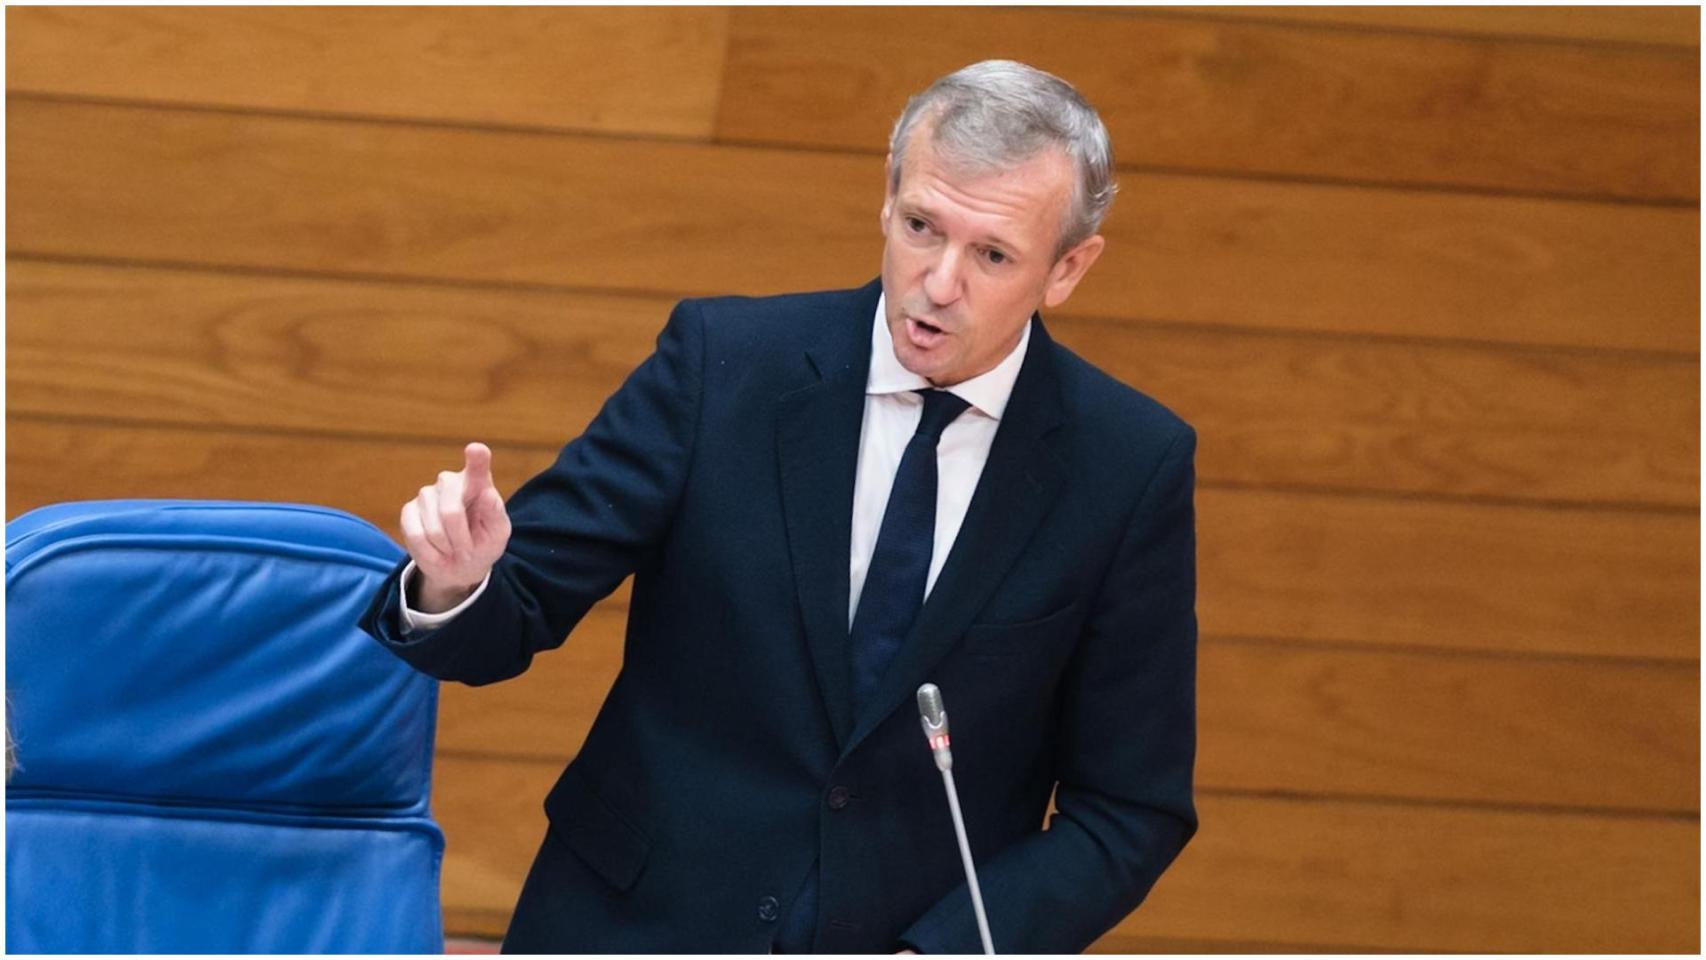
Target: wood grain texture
[[1289, 718], [532, 367], [51, 462], [1250, 98], [1426, 726], [349, 198], [1673, 26], [475, 922], [633, 70], [1416, 418], [1365, 571], [1432, 879], [383, 360], [1271, 871], [1446, 575]]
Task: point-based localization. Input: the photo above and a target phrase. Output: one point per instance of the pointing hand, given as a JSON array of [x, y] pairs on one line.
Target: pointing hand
[[455, 530]]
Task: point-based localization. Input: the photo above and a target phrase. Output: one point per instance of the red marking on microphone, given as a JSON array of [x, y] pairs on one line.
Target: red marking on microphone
[[939, 742]]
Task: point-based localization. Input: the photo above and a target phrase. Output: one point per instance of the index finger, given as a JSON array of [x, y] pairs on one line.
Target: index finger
[[477, 467]]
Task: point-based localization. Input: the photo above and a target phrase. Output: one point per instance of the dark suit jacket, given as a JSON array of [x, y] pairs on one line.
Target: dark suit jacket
[[1061, 631]]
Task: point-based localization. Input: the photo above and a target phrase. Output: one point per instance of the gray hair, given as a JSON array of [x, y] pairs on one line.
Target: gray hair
[[997, 113]]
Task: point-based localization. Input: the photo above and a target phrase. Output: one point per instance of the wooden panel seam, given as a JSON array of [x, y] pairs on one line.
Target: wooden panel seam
[[1479, 268], [784, 145], [1251, 15], [1127, 321], [1311, 490], [24, 95]]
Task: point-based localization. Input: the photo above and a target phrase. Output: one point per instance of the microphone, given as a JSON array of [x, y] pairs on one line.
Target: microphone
[[933, 717]]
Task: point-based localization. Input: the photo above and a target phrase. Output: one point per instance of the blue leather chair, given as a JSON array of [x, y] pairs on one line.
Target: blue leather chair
[[213, 758]]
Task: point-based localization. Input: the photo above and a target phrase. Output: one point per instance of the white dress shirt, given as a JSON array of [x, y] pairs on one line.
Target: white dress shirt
[[892, 411]]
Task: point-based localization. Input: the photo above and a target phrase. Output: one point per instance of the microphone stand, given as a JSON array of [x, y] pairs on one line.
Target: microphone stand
[[934, 718]]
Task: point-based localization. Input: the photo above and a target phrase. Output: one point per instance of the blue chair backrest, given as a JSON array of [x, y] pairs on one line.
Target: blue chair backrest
[[212, 756]]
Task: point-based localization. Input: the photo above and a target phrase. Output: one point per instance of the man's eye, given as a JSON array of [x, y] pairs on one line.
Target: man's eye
[[995, 256], [915, 225]]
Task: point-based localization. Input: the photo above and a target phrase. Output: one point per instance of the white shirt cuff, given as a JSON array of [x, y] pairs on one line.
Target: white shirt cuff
[[414, 621]]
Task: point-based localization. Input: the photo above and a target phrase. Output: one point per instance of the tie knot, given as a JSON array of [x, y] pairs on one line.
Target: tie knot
[[940, 409]]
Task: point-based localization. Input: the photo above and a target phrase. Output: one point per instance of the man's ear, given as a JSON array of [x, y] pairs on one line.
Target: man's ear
[[1063, 277]]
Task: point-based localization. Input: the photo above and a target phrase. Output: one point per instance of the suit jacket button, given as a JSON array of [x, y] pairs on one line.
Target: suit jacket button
[[768, 909], [837, 797]]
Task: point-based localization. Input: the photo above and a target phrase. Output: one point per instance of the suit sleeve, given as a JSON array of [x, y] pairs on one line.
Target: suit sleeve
[[577, 529], [1127, 744]]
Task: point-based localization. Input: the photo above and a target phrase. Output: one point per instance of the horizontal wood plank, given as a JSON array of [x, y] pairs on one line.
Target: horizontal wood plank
[[347, 198], [1674, 26], [1272, 871], [532, 367], [1432, 879], [1415, 417], [1460, 576], [381, 359], [52, 462], [1356, 570], [632, 70], [1289, 718], [1516, 730], [1250, 98]]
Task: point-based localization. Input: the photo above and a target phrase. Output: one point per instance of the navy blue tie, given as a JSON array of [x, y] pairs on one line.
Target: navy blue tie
[[890, 600], [900, 564]]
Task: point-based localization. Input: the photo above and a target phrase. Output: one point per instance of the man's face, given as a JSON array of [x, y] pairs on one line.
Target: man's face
[[969, 257]]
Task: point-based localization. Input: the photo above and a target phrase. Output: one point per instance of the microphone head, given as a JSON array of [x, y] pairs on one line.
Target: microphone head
[[930, 704], [933, 717]]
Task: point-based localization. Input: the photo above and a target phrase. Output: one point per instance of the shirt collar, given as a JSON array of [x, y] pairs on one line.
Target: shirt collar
[[988, 391]]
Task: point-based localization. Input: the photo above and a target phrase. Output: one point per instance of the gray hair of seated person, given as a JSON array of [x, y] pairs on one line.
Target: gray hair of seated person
[[998, 113]]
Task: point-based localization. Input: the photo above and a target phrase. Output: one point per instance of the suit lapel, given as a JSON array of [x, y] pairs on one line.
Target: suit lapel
[[1018, 485], [817, 447]]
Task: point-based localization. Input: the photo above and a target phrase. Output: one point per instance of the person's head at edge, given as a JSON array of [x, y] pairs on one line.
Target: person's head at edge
[[998, 177]]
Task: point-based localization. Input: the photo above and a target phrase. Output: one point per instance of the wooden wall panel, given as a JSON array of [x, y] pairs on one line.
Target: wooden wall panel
[[1368, 571], [1248, 98], [388, 200], [1451, 420], [1425, 726], [380, 360], [1271, 870], [529, 366], [633, 70], [361, 199], [1448, 576], [1673, 26], [51, 461], [1432, 878]]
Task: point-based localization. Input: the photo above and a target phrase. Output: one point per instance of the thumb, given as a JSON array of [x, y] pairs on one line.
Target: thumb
[[477, 471]]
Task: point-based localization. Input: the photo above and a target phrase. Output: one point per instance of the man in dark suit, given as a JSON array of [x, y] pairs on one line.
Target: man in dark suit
[[826, 500]]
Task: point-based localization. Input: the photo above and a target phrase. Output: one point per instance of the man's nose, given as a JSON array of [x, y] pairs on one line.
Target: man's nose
[[942, 280]]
